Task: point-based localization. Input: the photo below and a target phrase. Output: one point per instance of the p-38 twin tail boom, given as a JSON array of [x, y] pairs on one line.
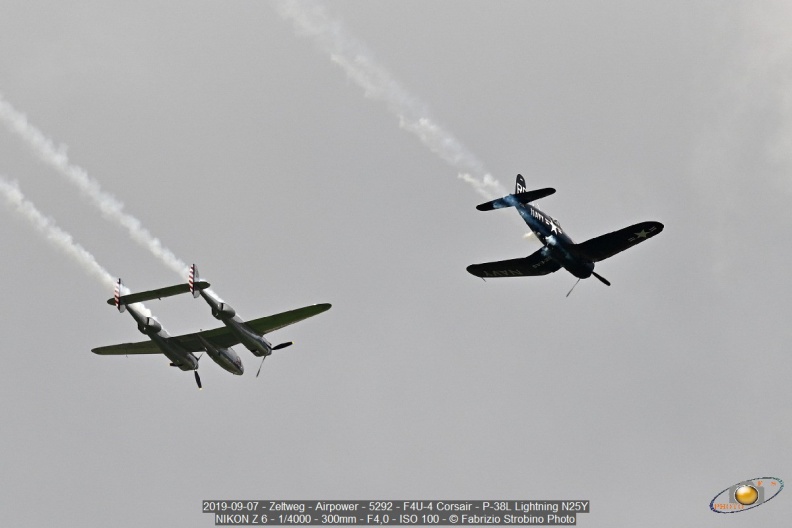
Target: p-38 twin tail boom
[[558, 251]]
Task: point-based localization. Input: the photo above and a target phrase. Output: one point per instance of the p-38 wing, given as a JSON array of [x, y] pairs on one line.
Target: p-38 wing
[[221, 337]]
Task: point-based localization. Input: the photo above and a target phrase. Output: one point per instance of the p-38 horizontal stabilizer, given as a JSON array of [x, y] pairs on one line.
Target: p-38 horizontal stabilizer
[[512, 199], [159, 293]]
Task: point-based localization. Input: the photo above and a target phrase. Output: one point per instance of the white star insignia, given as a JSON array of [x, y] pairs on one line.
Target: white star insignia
[[641, 234]]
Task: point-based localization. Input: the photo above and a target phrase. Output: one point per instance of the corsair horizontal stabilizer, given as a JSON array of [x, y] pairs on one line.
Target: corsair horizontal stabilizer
[[122, 300], [514, 199]]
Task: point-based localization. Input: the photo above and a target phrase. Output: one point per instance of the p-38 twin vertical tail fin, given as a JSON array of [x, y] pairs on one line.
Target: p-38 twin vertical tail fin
[[117, 296], [193, 278]]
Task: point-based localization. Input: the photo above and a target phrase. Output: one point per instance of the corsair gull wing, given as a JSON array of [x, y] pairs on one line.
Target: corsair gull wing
[[605, 246], [534, 264]]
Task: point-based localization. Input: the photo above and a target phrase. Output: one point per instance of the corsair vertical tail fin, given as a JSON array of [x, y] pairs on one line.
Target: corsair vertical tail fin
[[520, 185]]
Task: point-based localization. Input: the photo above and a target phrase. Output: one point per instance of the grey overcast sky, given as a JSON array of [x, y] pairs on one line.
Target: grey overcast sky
[[246, 143]]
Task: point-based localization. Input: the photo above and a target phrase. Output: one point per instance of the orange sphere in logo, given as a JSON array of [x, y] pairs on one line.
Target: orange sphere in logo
[[746, 495]]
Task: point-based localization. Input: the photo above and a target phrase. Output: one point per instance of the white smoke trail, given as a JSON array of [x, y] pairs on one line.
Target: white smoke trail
[[110, 207], [46, 227], [311, 20], [60, 239]]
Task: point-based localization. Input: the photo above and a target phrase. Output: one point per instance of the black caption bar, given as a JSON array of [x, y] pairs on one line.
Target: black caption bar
[[395, 512]]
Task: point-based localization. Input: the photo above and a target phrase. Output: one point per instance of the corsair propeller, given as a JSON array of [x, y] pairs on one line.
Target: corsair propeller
[[573, 287], [602, 279]]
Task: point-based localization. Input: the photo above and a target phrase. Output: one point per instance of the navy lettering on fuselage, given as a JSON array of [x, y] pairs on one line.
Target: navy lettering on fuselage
[[548, 221]]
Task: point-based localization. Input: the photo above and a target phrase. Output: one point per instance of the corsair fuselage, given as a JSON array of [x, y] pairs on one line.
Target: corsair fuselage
[[557, 244]]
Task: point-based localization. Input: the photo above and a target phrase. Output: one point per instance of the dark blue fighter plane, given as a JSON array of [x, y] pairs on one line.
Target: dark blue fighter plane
[[559, 250]]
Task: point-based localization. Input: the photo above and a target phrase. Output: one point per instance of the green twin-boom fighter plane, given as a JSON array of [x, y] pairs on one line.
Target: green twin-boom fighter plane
[[559, 250], [216, 343]]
